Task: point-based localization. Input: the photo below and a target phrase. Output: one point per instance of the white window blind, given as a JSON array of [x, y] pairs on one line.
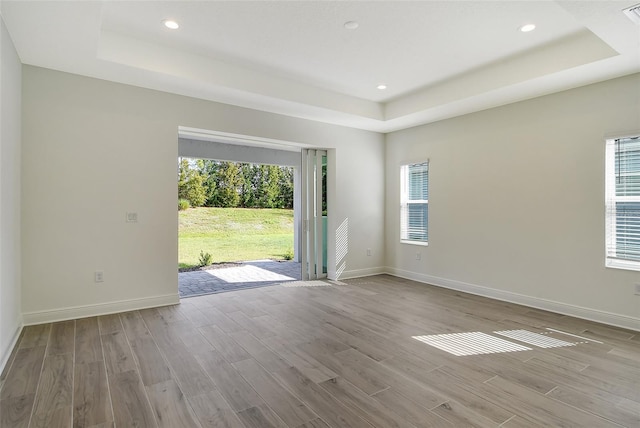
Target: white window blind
[[623, 203], [414, 203]]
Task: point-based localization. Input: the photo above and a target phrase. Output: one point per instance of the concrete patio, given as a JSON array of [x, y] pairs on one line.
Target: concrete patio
[[252, 274]]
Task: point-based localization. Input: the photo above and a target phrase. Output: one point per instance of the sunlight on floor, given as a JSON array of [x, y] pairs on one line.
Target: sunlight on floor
[[539, 340], [477, 343], [248, 273], [473, 343]]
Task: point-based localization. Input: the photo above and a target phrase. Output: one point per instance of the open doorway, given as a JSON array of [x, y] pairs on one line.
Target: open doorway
[[236, 226], [316, 240]]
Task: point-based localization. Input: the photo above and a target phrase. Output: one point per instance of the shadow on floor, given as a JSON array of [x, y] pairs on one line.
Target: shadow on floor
[[258, 273]]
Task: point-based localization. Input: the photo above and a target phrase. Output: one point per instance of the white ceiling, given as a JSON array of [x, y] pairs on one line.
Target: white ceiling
[[439, 59]]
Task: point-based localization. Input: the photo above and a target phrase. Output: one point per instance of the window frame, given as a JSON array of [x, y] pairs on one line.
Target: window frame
[[405, 202], [611, 201]]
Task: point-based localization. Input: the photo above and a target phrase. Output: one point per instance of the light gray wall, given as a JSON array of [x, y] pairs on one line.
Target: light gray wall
[[516, 195], [94, 150], [516, 207], [10, 93]]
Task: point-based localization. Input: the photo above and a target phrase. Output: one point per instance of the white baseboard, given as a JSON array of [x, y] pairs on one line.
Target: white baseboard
[[596, 315], [358, 273], [63, 314], [6, 353]]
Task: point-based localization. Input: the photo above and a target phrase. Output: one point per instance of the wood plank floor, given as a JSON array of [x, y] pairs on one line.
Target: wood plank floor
[[340, 355]]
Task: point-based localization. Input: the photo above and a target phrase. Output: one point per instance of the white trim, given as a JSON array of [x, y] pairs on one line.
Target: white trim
[[621, 134], [359, 273], [624, 321], [405, 202], [7, 352], [421, 243], [622, 264], [63, 314], [611, 217], [239, 139]]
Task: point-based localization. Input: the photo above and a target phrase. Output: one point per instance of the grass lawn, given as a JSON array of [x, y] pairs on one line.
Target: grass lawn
[[234, 234]]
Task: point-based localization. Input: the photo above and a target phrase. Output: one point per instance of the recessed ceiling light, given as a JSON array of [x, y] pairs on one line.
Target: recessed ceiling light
[[528, 27], [381, 86], [351, 25], [171, 24]]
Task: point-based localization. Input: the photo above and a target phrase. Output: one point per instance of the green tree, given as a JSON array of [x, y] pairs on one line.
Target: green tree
[[286, 187], [210, 176], [183, 173], [269, 186], [190, 184], [229, 181], [248, 187], [234, 184]]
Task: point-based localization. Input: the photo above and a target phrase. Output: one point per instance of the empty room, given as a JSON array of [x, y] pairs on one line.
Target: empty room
[[465, 204]]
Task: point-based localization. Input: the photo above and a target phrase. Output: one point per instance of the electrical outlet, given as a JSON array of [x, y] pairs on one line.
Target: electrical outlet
[[132, 217], [368, 251], [636, 290], [98, 276], [418, 256]]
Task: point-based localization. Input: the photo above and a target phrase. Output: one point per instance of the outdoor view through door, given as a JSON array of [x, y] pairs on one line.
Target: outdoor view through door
[[236, 226]]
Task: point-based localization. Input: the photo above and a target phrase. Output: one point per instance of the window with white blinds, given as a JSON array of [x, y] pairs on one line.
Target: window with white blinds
[[414, 203], [623, 203]]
